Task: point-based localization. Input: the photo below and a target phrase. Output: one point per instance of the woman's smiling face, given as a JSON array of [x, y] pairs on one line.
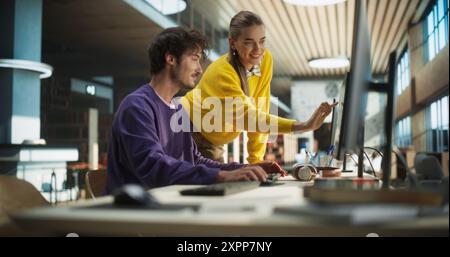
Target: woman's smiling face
[[250, 45]]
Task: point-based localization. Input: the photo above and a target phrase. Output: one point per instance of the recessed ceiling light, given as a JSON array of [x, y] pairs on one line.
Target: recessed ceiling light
[[168, 7], [329, 63], [314, 2]]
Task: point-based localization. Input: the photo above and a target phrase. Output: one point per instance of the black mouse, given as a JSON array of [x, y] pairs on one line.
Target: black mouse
[[134, 196]]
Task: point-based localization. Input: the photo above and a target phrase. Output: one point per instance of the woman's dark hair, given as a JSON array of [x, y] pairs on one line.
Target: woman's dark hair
[[175, 41], [242, 19]]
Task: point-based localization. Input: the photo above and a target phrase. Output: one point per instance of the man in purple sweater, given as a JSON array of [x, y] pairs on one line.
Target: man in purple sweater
[[143, 148]]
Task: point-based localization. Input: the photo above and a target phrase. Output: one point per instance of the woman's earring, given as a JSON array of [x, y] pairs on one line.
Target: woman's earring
[[234, 52]]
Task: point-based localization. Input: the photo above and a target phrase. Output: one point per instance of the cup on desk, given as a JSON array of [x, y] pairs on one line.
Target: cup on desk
[[327, 167], [329, 172], [324, 160]]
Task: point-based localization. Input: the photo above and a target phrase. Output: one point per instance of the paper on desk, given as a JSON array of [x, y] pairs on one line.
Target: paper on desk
[[260, 200], [240, 207], [287, 178]]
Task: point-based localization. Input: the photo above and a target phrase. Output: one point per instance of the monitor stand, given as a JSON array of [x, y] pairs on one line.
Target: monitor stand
[[360, 174]]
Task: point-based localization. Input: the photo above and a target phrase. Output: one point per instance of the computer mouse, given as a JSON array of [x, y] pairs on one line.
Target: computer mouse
[[271, 179], [134, 196]]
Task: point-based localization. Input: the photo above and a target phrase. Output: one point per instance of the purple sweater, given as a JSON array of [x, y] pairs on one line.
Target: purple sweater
[[144, 150]]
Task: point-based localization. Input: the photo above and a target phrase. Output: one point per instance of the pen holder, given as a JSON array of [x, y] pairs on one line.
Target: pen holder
[[326, 161], [304, 172]]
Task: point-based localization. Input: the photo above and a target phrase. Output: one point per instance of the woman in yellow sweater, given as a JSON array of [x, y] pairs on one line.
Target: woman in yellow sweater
[[241, 75]]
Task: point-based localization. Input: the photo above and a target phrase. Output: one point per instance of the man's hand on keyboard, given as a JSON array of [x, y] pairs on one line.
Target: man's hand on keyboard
[[247, 173], [270, 167]]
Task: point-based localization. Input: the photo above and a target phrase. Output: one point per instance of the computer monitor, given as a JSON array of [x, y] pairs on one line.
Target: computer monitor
[[348, 136], [351, 131]]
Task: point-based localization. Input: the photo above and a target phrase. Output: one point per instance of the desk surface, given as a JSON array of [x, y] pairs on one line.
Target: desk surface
[[249, 213]]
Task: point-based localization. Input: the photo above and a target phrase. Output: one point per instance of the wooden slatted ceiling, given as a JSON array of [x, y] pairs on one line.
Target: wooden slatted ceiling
[[297, 33]]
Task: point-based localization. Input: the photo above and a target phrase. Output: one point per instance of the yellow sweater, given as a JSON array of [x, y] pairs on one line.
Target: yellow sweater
[[221, 81]]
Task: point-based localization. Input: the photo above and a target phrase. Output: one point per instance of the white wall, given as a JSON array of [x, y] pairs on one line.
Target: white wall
[[306, 95]]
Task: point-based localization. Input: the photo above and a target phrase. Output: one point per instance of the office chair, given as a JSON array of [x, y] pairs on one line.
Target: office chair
[[16, 195], [428, 167], [430, 175], [95, 183]]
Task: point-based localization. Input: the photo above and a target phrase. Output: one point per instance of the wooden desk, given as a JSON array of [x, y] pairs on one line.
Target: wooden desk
[[249, 213]]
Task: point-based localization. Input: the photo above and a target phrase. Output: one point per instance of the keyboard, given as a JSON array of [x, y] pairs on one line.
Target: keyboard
[[222, 189]]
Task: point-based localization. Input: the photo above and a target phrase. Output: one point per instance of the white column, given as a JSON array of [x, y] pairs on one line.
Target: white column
[[290, 147], [244, 146], [236, 150], [93, 139], [225, 153]]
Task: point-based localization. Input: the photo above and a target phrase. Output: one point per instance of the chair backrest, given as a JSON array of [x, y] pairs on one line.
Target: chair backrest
[[428, 167], [16, 195], [96, 183]]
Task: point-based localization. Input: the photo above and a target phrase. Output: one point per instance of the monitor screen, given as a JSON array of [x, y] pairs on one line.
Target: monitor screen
[[336, 122]]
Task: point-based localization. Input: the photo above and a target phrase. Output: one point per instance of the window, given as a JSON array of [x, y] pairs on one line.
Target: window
[[403, 136], [192, 18], [437, 125], [403, 77], [436, 29]]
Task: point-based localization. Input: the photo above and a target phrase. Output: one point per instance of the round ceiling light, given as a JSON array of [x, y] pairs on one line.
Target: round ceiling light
[[329, 63], [314, 2]]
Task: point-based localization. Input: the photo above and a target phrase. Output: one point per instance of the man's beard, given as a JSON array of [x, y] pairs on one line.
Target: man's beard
[[175, 76]]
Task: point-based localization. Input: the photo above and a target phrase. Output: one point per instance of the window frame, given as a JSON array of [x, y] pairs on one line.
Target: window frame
[[403, 74], [403, 132], [439, 124], [437, 42]]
